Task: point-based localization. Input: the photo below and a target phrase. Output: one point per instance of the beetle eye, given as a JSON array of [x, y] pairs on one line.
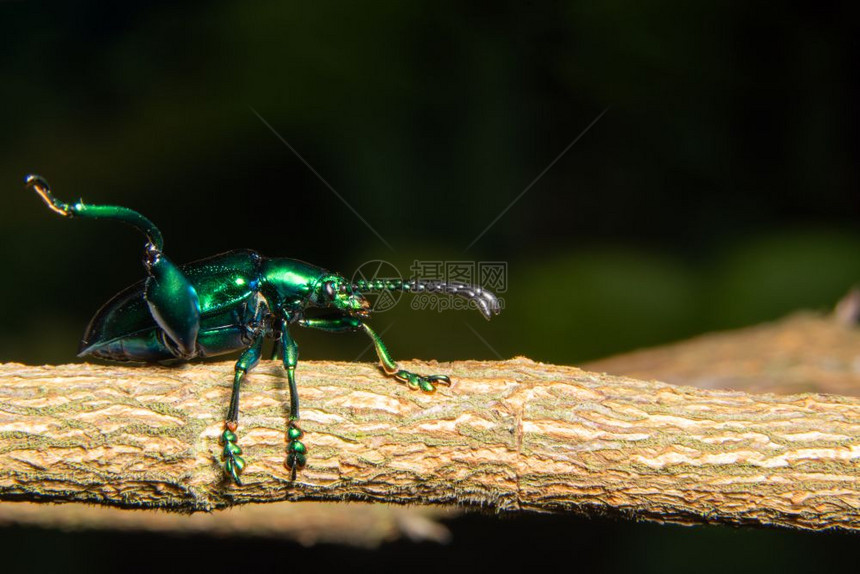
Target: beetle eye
[[328, 287]]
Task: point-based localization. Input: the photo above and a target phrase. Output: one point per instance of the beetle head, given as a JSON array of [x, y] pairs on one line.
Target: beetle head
[[336, 292]]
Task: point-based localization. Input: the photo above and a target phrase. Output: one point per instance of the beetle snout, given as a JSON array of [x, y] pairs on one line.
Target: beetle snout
[[360, 306]]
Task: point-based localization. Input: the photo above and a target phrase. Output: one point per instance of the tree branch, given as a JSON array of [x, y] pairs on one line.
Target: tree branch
[[308, 523], [803, 353], [510, 435]]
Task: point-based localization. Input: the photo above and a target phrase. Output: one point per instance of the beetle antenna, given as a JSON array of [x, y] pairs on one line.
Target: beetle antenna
[[487, 303], [128, 216]]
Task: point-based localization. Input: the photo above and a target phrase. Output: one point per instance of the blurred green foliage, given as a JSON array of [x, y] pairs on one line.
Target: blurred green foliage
[[719, 190]]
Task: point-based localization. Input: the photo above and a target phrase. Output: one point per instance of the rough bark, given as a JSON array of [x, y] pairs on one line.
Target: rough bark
[[802, 353], [509, 435]]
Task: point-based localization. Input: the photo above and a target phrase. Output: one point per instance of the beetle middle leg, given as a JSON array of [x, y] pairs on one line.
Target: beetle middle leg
[[296, 450], [233, 463], [347, 323]]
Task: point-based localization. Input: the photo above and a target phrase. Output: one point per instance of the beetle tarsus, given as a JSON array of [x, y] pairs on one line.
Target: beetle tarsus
[[425, 383], [233, 463], [40, 185], [297, 452]]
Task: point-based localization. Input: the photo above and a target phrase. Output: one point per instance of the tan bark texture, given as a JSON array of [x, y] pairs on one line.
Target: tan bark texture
[[508, 435], [803, 353]]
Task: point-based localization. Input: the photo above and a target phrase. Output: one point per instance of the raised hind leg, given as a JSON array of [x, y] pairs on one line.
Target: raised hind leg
[[170, 296]]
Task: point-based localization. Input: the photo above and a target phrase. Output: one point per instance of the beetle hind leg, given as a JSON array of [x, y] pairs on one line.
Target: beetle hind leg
[[171, 298]]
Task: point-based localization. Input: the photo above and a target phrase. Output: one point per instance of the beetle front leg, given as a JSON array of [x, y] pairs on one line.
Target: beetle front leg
[[233, 463], [347, 323], [413, 381], [296, 450]]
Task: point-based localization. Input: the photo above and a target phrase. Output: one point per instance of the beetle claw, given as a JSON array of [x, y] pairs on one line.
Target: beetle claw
[[440, 379]]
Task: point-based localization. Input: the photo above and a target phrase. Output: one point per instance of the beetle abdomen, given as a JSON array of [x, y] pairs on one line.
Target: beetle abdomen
[[126, 315], [227, 285], [144, 346]]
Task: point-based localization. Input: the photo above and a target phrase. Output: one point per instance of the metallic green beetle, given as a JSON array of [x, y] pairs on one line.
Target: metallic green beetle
[[233, 302]]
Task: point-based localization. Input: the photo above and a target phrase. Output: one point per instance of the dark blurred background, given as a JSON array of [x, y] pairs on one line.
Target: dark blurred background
[[719, 189]]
